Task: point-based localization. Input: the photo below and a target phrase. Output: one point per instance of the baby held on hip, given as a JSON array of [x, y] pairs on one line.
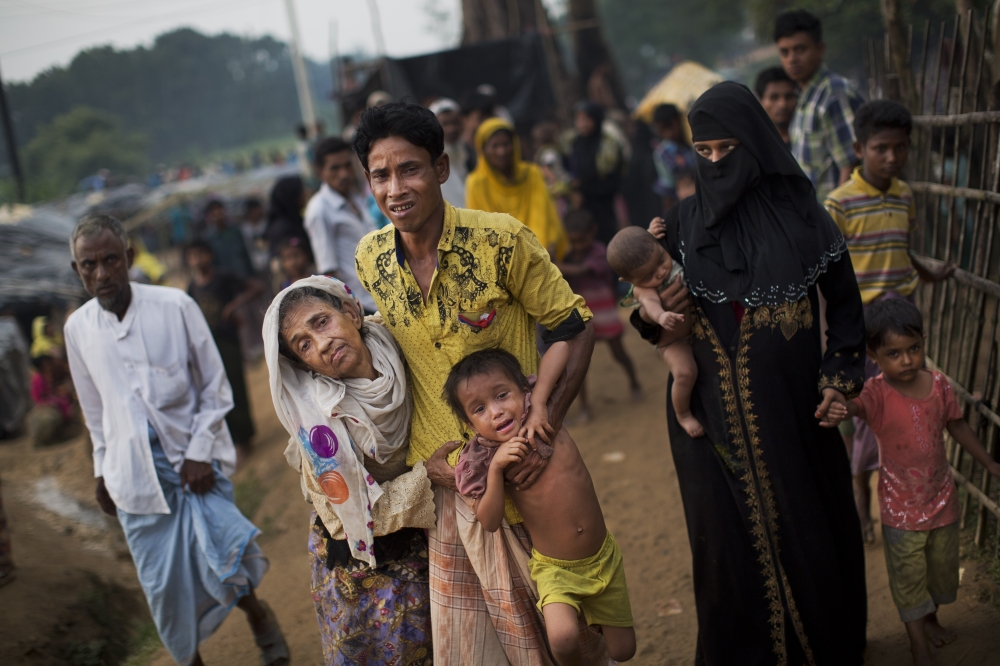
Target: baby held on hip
[[639, 258]]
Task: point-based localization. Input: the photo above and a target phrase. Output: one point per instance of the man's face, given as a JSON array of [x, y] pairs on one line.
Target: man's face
[[405, 183], [884, 153], [779, 100], [198, 259], [584, 124], [215, 215], [451, 123], [102, 263], [338, 172], [800, 56]]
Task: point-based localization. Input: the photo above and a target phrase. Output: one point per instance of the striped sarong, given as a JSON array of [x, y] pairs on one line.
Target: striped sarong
[[483, 601]]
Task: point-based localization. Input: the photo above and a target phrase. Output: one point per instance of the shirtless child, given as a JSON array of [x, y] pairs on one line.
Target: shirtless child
[[638, 257], [575, 562]]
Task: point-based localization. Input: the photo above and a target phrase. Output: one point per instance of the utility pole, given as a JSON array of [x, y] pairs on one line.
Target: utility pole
[[299, 67], [8, 133], [377, 27]]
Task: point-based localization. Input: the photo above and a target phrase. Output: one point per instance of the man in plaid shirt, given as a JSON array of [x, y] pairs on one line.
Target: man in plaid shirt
[[822, 129]]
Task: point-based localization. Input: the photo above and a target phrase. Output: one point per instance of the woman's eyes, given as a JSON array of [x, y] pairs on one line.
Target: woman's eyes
[[304, 345]]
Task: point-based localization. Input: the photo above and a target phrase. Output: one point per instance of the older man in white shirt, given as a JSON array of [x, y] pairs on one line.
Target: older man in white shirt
[[154, 394], [337, 217]]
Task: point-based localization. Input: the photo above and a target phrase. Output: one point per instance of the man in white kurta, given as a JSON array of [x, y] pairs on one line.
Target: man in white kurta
[[154, 394]]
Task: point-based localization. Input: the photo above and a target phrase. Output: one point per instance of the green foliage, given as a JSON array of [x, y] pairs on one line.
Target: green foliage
[[143, 646], [78, 144], [186, 90], [645, 34]]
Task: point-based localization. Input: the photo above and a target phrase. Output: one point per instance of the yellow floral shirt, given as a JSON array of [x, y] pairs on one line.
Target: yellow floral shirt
[[493, 282]]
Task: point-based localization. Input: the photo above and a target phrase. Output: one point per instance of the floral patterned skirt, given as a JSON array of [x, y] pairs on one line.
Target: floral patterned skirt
[[372, 617]]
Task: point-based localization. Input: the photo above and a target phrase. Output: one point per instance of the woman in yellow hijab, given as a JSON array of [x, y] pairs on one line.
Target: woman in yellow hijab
[[502, 183]]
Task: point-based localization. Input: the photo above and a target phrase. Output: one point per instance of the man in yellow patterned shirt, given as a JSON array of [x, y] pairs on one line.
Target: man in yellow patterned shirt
[[449, 282]]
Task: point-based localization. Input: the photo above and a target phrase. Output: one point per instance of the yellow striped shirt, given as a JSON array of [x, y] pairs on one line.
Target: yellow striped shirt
[[877, 228]]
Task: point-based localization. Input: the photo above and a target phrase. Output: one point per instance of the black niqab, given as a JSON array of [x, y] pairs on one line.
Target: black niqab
[[754, 231]]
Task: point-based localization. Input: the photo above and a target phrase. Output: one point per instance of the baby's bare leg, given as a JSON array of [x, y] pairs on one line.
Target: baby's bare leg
[[562, 625], [680, 359], [620, 642]]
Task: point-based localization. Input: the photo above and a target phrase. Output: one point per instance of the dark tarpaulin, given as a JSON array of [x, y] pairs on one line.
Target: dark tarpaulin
[[516, 67]]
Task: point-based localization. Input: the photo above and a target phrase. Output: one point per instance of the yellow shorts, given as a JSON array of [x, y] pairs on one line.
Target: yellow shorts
[[594, 585]]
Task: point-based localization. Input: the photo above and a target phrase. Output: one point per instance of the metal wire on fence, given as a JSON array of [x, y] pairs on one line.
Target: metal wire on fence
[[954, 172]]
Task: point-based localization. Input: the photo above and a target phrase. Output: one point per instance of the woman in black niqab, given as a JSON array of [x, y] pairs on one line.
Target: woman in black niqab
[[779, 571]]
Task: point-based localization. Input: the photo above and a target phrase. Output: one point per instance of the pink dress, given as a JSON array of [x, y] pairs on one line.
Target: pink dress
[[915, 488]]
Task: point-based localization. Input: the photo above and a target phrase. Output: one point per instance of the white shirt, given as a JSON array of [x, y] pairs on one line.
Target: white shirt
[[453, 189], [158, 365], [335, 229]]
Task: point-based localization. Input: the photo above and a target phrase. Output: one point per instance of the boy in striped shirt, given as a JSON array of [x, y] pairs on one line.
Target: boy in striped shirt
[[875, 212]]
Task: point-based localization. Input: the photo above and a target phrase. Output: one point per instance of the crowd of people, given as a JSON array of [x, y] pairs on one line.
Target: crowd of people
[[438, 298]]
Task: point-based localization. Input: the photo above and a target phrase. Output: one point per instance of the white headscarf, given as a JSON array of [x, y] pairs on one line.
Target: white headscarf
[[334, 423]]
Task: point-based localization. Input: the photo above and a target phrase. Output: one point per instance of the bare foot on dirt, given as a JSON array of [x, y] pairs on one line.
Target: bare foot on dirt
[[936, 634], [691, 425]]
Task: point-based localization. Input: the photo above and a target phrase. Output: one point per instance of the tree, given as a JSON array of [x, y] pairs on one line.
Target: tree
[[79, 144], [647, 35]]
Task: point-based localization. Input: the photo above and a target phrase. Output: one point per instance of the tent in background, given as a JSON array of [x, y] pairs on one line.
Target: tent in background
[[681, 87]]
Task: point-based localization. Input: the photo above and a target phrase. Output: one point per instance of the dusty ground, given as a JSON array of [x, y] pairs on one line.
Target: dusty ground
[[77, 590]]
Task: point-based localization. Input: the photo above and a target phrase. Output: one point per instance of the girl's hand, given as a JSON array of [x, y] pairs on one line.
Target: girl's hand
[[537, 424], [658, 227], [834, 415], [510, 452], [831, 397], [670, 320]]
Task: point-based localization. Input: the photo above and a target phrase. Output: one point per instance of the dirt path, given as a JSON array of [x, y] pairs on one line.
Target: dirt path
[[640, 498]]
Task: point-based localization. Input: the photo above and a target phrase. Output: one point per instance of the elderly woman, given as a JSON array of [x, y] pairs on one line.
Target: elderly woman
[[339, 387]]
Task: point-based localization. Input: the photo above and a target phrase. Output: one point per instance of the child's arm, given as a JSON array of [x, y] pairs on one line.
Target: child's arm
[[489, 507], [966, 437], [549, 371], [649, 299]]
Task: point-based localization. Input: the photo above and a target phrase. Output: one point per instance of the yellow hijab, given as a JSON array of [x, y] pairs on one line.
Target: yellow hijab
[[526, 199]]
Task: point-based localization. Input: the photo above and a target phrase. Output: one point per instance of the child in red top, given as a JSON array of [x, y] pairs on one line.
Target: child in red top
[[908, 408]]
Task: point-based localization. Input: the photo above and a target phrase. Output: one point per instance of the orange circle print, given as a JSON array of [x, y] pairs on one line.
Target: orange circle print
[[334, 487]]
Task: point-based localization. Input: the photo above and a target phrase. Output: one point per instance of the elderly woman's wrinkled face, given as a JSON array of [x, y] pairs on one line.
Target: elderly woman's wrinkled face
[[327, 340]]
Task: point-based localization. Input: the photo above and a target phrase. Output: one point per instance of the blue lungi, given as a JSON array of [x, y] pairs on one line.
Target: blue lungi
[[196, 562]]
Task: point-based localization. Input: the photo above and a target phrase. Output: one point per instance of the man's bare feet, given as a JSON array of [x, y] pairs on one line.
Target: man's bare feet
[[936, 634], [691, 425]]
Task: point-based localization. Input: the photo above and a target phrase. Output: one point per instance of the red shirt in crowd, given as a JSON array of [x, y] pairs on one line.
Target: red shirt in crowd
[[915, 488]]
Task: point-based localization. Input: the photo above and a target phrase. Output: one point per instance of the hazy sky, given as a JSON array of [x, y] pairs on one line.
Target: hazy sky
[[37, 34]]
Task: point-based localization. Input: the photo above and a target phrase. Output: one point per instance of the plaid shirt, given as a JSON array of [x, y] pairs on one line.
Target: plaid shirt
[[822, 130]]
